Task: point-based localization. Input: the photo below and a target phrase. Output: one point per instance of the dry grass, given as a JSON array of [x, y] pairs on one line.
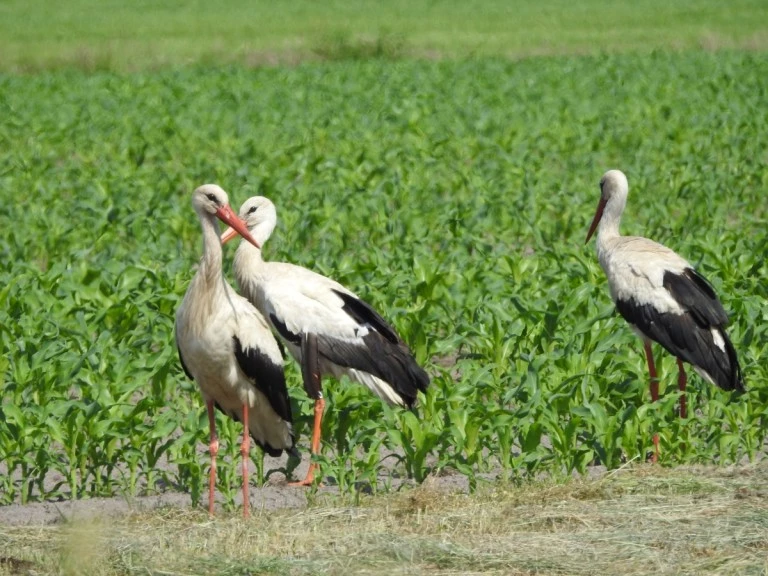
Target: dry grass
[[645, 520]]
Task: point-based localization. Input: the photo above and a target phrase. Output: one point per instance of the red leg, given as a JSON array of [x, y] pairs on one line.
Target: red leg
[[654, 392], [682, 380], [214, 449], [310, 371], [244, 454], [310, 477]]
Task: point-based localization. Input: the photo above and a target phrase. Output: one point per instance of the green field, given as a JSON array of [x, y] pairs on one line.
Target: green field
[[94, 34], [453, 192], [453, 196]]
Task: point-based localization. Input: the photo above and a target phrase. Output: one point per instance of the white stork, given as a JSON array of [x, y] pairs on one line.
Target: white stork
[[326, 328], [663, 298], [226, 346]]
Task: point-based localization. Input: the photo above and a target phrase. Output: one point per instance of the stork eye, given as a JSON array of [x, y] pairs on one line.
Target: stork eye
[[253, 209], [211, 197]]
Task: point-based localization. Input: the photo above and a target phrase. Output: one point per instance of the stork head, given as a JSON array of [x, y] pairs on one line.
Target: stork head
[[259, 215], [210, 200], [613, 194]]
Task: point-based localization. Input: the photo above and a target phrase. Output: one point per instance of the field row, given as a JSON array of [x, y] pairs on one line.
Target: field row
[[455, 197], [92, 35]]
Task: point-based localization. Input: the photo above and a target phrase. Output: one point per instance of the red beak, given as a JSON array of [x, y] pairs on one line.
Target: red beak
[[596, 219], [228, 234], [226, 215]]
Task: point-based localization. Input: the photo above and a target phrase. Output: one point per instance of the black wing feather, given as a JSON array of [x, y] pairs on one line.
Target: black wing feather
[[363, 313], [267, 377], [282, 329], [184, 366], [382, 352], [689, 335], [392, 363], [695, 295]]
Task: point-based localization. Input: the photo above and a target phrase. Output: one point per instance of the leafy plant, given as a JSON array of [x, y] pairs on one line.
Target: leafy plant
[[453, 196]]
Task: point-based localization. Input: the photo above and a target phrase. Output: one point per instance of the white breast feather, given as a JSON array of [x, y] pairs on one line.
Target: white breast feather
[[635, 269]]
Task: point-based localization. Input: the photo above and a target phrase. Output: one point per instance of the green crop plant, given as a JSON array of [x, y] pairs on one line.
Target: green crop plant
[[453, 196]]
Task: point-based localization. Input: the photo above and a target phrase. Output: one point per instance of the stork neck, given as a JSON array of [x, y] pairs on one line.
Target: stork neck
[[210, 263], [608, 229], [247, 253], [262, 231], [248, 256], [609, 223]]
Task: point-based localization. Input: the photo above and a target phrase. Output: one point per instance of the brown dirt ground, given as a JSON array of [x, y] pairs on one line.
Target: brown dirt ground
[[276, 494]]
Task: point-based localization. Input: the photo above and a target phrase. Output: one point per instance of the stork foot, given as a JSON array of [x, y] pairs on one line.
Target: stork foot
[[305, 482], [655, 455], [309, 479]]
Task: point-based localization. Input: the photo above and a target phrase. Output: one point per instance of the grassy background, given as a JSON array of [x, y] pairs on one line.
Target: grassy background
[[138, 35]]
